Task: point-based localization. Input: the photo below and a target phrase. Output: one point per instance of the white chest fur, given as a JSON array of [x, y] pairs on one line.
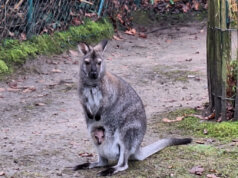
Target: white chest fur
[[93, 98]]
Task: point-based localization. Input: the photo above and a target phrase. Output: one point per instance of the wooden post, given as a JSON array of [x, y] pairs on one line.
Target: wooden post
[[218, 55], [236, 100], [210, 55]]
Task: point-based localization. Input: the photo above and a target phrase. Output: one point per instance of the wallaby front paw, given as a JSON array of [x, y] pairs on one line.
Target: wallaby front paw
[[82, 166], [107, 172]]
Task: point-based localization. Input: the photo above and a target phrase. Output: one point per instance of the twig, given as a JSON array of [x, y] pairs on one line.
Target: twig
[[18, 4], [86, 2]]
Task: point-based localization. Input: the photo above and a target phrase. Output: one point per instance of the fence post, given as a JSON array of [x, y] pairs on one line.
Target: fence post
[[29, 18], [218, 55], [100, 7]]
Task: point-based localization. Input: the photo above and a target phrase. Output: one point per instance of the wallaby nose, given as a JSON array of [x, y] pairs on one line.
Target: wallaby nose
[[93, 75]]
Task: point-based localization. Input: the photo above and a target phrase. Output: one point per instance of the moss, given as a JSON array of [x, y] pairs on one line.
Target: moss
[[225, 131], [179, 75], [15, 52], [181, 112], [3, 67]]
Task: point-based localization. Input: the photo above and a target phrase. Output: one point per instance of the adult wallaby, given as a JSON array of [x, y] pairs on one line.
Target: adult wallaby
[[115, 115]]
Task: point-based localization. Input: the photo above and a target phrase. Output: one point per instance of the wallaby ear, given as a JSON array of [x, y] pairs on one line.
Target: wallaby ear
[[83, 48], [101, 46]]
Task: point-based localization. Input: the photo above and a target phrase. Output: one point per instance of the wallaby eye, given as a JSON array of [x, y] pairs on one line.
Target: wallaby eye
[[99, 62], [87, 62]]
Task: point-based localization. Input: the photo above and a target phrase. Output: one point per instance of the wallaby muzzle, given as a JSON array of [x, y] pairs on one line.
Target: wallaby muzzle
[[93, 75]]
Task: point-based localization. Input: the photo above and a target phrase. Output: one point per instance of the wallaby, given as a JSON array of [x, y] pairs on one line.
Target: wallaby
[[115, 115]]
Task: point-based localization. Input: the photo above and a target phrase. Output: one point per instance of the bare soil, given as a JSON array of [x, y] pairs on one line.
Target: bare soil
[[43, 133]]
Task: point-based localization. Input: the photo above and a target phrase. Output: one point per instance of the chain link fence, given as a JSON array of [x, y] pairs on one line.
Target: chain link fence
[[23, 18]]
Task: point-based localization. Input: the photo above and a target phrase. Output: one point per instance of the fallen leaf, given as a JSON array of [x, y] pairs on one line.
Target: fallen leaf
[[197, 170], [116, 37], [199, 142], [195, 5], [130, 32], [205, 132], [142, 35], [29, 89], [170, 167], [40, 104], [211, 116], [191, 76], [212, 176], [86, 154], [2, 173], [23, 36], [176, 120], [2, 89], [13, 89], [189, 60], [167, 120], [179, 118], [198, 116], [56, 71], [12, 84], [42, 95]]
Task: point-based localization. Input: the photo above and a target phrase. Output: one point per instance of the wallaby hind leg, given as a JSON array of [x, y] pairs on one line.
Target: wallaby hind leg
[[100, 163], [122, 163], [128, 146]]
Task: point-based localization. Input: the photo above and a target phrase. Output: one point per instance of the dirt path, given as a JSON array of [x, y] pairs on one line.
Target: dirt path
[[43, 131]]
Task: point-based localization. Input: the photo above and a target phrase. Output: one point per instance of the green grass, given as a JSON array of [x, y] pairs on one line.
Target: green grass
[[14, 52], [225, 131]]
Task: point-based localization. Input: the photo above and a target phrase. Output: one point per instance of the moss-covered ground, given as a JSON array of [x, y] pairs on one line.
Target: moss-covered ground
[[14, 52], [213, 149]]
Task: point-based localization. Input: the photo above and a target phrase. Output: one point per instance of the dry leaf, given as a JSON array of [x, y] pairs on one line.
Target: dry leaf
[[40, 104], [142, 35], [2, 173], [179, 118], [198, 116], [13, 89], [29, 89], [86, 154], [212, 176], [199, 142], [13, 84], [195, 5], [167, 120], [116, 37], [211, 116], [198, 170], [205, 132], [130, 32], [56, 71], [176, 120], [23, 36]]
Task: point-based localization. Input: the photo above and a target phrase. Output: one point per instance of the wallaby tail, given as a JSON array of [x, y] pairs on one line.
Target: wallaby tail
[[153, 148]]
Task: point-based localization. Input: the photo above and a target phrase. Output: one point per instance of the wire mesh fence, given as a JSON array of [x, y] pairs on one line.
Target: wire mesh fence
[[23, 18]]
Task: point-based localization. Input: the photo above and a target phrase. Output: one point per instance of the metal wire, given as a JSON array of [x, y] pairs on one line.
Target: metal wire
[[20, 18]]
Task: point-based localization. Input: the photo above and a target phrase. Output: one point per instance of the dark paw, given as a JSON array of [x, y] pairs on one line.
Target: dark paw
[[82, 166], [107, 172]]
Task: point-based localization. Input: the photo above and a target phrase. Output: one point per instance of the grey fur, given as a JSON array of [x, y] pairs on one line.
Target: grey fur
[[111, 103]]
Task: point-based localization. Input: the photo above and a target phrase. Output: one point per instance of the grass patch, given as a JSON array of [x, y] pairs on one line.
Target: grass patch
[[14, 52], [225, 131], [178, 75]]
